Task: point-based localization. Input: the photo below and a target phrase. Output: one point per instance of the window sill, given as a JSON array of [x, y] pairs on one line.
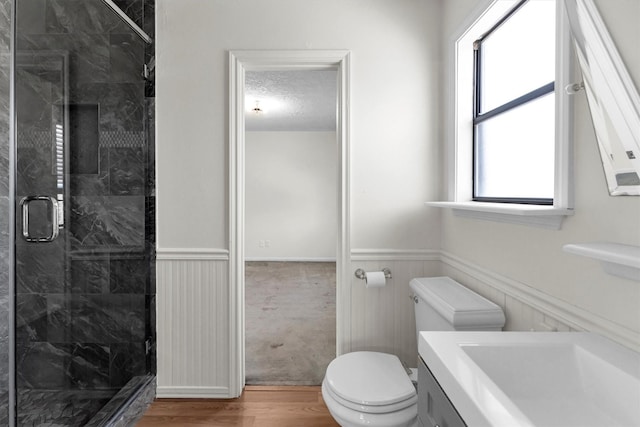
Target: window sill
[[549, 217]]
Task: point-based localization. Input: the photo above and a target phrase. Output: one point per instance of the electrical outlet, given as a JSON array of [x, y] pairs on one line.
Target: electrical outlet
[[267, 243], [261, 243]]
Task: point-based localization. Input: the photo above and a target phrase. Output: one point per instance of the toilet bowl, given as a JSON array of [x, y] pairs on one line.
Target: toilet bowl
[[366, 388]]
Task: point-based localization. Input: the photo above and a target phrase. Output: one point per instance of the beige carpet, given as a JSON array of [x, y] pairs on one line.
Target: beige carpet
[[290, 315]]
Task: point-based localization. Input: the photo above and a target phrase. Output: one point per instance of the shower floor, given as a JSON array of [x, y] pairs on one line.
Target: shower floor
[[290, 322], [60, 408]]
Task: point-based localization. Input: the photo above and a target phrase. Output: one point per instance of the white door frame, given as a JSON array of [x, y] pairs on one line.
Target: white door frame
[[263, 60]]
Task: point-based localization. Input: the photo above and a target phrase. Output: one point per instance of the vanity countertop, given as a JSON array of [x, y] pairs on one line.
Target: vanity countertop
[[535, 378]]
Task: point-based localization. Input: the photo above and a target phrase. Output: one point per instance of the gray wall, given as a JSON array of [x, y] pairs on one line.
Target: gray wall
[[5, 46], [6, 190], [83, 301]]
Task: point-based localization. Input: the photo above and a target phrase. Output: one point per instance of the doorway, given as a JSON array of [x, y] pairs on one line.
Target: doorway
[[290, 225], [241, 63]]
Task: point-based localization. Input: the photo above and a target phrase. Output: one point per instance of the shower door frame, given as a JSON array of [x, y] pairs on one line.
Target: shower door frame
[[15, 231], [280, 60]]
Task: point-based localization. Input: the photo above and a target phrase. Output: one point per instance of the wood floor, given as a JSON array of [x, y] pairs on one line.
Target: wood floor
[[259, 406]]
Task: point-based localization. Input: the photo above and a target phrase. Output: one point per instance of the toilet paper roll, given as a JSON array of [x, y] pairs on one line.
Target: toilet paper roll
[[375, 279]]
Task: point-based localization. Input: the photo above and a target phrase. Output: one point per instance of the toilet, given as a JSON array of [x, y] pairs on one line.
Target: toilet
[[367, 388]]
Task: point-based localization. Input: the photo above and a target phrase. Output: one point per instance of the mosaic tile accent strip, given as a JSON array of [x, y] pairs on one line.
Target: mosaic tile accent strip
[[34, 139], [122, 139], [44, 139]]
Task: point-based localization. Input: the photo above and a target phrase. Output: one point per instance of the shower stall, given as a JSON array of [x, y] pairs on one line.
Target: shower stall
[[77, 231]]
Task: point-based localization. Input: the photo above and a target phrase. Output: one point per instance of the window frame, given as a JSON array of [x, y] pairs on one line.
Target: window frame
[[480, 117], [458, 132]]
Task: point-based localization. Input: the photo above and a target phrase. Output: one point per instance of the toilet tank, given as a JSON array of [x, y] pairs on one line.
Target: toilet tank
[[442, 304]]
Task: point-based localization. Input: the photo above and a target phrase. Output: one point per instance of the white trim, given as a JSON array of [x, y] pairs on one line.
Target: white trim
[[239, 62], [288, 259], [395, 255], [574, 317], [613, 99], [457, 125], [170, 254], [236, 226], [192, 392], [456, 174], [549, 217], [343, 262], [563, 179], [616, 258]]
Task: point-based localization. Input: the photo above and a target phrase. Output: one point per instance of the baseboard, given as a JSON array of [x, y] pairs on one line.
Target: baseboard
[[192, 392], [571, 315]]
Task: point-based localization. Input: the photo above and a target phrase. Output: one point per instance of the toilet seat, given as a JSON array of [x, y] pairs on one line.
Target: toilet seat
[[369, 409], [370, 382]]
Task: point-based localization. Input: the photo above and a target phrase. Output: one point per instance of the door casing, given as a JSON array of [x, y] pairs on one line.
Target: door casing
[[273, 60]]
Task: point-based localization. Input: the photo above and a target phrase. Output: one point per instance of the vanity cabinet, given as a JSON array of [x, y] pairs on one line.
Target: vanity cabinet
[[434, 407]]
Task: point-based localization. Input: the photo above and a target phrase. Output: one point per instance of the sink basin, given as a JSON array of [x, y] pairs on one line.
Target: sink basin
[[535, 378]]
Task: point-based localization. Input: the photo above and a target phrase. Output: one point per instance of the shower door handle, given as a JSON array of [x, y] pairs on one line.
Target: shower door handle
[[24, 206]]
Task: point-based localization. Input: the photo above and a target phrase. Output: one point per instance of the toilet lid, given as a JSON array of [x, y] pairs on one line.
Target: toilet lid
[[369, 378]]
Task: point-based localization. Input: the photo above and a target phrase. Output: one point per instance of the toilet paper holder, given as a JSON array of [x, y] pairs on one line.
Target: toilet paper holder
[[360, 273]]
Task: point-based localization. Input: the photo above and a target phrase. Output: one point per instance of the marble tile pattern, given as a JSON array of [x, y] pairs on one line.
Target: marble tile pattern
[[128, 405], [59, 407], [5, 203], [84, 302]]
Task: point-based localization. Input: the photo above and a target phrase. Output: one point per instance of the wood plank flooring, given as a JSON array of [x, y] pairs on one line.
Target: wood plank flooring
[[259, 406]]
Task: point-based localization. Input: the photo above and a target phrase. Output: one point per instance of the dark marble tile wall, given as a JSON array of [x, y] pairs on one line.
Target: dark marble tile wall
[[85, 302], [5, 244]]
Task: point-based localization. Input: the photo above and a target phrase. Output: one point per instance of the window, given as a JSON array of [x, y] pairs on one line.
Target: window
[[520, 161], [514, 116]]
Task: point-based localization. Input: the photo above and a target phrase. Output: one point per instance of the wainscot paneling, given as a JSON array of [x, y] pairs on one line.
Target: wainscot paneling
[[382, 319], [193, 312], [193, 332], [527, 309]]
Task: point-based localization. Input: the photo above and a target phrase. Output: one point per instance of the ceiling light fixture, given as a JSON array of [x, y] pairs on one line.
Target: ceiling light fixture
[[257, 109]]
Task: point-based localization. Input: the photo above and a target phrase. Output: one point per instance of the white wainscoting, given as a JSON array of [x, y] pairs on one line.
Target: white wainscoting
[[193, 312], [382, 319], [192, 322]]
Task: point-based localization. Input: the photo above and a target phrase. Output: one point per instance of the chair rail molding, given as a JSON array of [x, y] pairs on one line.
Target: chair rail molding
[[574, 317], [192, 254], [395, 255]]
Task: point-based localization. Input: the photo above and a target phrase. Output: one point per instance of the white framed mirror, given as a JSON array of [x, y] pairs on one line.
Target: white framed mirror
[[613, 98]]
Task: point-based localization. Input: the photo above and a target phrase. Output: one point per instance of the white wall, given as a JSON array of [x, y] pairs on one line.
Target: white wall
[[290, 195], [394, 110], [399, 70], [395, 162], [532, 259]]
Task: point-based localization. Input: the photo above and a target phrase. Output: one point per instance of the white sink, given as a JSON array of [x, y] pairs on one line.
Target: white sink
[[523, 379]]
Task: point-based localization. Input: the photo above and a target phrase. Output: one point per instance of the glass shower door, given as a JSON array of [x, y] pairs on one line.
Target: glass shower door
[[84, 239]]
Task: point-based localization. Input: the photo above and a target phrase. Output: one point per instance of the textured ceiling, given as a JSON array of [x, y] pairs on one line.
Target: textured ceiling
[[291, 100]]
